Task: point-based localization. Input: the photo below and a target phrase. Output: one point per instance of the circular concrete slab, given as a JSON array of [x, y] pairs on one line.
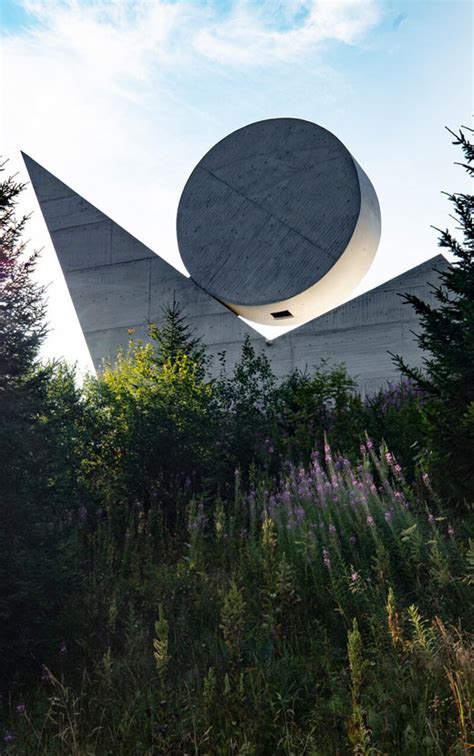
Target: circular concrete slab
[[268, 212]]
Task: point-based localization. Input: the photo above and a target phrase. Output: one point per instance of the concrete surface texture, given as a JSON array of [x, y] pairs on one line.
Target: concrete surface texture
[[119, 286], [278, 221]]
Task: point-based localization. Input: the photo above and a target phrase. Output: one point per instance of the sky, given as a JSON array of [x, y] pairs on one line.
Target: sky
[[121, 98]]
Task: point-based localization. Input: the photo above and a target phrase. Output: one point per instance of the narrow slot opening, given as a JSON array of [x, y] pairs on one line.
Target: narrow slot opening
[[281, 314]]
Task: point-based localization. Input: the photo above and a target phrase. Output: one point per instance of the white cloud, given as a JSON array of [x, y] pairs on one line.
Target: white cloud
[[126, 37], [249, 37]]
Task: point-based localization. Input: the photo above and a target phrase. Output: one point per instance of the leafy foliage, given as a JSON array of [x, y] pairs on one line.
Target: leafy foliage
[[149, 430]]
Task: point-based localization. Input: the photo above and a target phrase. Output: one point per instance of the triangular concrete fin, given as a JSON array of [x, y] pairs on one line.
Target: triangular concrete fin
[[118, 285], [363, 332], [82, 235]]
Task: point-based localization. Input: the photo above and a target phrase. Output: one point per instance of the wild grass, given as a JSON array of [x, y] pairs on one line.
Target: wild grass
[[317, 615]]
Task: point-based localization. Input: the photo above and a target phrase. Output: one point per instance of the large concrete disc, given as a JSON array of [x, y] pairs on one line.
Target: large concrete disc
[[273, 211]]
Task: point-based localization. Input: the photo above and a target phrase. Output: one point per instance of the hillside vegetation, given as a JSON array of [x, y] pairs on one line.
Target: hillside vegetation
[[236, 565]]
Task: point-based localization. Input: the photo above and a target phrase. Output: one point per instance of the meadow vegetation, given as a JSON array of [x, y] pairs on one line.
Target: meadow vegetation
[[236, 565]]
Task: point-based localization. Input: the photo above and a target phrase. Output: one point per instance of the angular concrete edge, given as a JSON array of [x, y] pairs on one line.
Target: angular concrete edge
[[118, 285]]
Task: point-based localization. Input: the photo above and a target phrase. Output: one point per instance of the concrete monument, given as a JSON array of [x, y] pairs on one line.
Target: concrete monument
[[317, 231]]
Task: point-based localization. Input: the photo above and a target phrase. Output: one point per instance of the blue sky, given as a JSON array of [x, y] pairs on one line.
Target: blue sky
[[120, 99]]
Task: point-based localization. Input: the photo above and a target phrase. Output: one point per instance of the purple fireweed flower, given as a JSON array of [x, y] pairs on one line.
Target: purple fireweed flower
[[451, 531], [21, 708], [299, 514], [285, 496], [388, 458], [9, 737], [370, 521], [431, 518], [63, 649], [369, 444], [353, 500], [332, 528], [401, 499], [352, 540], [326, 559], [363, 449], [426, 479], [354, 575], [398, 469]]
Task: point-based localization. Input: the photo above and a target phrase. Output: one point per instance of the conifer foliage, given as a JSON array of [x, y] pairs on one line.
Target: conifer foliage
[[22, 306], [175, 337], [32, 446], [22, 330], [447, 339]]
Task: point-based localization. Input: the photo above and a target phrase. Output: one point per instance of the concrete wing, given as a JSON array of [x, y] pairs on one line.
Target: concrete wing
[[118, 286]]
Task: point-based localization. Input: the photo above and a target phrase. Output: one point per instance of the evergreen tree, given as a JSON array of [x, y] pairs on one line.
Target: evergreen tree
[[22, 306], [447, 339], [31, 446], [176, 338]]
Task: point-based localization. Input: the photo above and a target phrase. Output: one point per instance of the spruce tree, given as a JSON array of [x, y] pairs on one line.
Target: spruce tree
[[27, 539], [447, 340], [176, 338]]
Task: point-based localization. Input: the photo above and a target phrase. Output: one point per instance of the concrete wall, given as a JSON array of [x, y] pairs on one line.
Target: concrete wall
[[119, 286]]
